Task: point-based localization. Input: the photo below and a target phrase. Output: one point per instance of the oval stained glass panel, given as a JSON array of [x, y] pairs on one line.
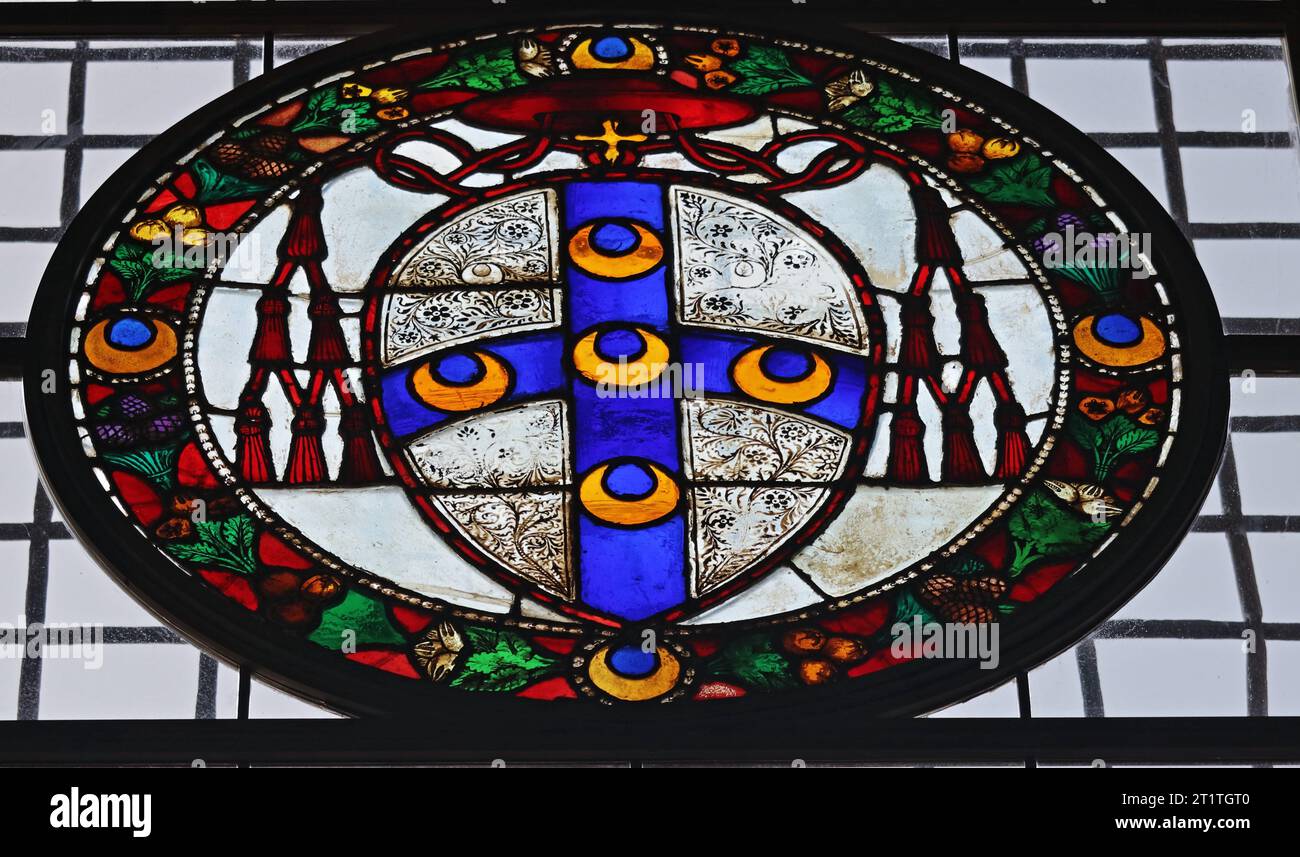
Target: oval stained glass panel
[[606, 363]]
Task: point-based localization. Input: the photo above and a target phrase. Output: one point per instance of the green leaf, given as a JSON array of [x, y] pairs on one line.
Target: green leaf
[[324, 112], [227, 544], [908, 606], [892, 108], [489, 69], [215, 186], [156, 465], [1042, 527], [141, 270], [1136, 440], [1024, 181], [501, 661], [765, 69], [753, 661], [357, 619]]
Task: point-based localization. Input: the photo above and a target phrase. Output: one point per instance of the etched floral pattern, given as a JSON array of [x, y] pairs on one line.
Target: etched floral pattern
[[734, 441], [417, 323], [511, 241], [524, 531], [518, 447], [735, 527], [738, 267]]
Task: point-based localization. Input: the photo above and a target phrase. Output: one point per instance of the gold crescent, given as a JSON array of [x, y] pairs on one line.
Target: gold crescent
[[749, 376], [648, 253], [450, 397], [596, 500], [633, 373]]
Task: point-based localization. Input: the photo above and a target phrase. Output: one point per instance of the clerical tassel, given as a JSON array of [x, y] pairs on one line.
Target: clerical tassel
[[1013, 443], [906, 449], [252, 446], [360, 463], [918, 353], [306, 455], [961, 458], [935, 244], [327, 346], [304, 239], [271, 341], [980, 350]]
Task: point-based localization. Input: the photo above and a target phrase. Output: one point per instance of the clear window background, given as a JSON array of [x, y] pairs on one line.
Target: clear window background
[[1171, 110]]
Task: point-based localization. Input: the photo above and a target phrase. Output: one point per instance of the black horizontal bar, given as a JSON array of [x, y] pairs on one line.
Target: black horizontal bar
[[399, 742], [13, 350], [316, 17], [1276, 354]]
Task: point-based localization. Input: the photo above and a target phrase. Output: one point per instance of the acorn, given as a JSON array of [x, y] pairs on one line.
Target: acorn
[[321, 587], [965, 163], [815, 671], [1000, 147], [843, 650], [149, 230], [802, 641], [278, 584], [183, 215], [965, 140], [294, 613]]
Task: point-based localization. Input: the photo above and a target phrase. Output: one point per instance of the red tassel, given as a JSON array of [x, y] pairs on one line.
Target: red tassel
[[1013, 443], [253, 447], [304, 239], [935, 244], [961, 458], [327, 346], [271, 342], [906, 449], [360, 464], [980, 350], [918, 354], [306, 455]]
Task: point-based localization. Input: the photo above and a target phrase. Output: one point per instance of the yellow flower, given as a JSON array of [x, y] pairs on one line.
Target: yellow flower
[[355, 90], [725, 47], [704, 62], [965, 140], [438, 650], [719, 79], [388, 95], [1001, 147]]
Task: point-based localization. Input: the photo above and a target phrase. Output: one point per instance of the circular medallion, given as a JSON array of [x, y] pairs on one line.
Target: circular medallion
[[577, 368]]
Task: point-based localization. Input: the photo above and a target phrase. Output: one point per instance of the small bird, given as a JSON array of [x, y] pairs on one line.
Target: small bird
[[438, 650], [534, 59], [1089, 500], [849, 89]]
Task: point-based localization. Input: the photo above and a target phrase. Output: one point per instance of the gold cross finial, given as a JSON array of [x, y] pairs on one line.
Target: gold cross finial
[[611, 138]]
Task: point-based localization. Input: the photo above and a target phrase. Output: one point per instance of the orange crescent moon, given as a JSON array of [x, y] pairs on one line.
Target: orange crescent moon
[[642, 370], [750, 377], [648, 253], [450, 397], [596, 500]]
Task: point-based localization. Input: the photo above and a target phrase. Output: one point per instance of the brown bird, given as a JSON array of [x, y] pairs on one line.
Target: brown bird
[[534, 59], [1089, 500], [847, 90]]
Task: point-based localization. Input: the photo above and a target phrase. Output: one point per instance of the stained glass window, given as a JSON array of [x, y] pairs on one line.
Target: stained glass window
[[629, 363]]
